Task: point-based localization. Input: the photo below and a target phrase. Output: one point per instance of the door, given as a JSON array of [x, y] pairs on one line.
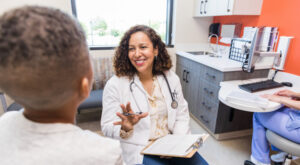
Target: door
[[192, 89], [181, 72], [209, 7], [224, 7], [204, 8], [189, 73]]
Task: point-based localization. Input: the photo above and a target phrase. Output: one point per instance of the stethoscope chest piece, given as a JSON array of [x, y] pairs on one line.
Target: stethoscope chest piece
[[174, 104]]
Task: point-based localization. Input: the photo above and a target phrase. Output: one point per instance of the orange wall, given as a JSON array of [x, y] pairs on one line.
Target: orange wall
[[284, 14]]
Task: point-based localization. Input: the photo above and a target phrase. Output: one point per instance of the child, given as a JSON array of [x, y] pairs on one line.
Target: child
[[45, 67]]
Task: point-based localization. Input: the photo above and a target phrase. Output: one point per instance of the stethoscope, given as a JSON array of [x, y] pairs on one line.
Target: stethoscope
[[174, 103]]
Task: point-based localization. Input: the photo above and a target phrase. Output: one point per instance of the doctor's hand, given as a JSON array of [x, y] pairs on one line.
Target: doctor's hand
[[127, 122]]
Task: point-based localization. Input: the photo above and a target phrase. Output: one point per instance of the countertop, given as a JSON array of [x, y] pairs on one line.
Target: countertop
[[223, 63]]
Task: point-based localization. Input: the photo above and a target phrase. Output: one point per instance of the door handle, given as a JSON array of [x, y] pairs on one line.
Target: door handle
[[211, 76], [201, 7], [206, 106], [208, 91], [205, 6], [183, 78], [186, 77], [205, 120], [228, 10]]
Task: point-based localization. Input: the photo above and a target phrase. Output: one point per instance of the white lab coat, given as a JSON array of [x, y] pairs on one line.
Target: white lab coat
[[117, 91]]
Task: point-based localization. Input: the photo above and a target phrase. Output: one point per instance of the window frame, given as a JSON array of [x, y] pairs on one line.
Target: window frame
[[169, 26]]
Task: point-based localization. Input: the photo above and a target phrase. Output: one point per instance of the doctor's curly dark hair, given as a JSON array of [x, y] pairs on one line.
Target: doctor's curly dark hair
[[122, 64]]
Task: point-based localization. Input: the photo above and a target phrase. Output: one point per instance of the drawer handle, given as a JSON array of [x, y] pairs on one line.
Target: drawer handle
[[208, 92], [228, 10], [201, 7], [202, 117], [206, 106], [211, 76], [183, 78], [186, 77], [205, 7]]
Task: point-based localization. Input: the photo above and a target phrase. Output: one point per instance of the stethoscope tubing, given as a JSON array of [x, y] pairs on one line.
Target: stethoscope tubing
[[131, 90], [174, 103], [170, 91]]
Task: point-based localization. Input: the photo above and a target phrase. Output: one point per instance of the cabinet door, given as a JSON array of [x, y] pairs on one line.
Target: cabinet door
[[224, 7], [181, 72], [192, 83], [198, 8], [189, 73], [209, 7], [204, 8]]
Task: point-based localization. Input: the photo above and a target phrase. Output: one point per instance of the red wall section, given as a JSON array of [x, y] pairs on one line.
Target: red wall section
[[280, 13]]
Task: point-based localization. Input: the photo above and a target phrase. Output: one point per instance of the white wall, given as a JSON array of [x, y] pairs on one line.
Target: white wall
[[187, 30]]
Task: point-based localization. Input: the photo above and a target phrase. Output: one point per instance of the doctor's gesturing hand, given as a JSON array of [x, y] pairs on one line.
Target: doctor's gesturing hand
[[129, 118]]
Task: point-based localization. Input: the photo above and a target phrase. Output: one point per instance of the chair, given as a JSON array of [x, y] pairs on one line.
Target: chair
[[93, 101], [292, 148], [12, 107]]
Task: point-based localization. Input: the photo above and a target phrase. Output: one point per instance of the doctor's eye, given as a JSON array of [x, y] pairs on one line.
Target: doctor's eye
[[130, 49]]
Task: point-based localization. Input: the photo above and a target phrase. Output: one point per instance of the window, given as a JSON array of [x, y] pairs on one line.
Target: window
[[105, 21]]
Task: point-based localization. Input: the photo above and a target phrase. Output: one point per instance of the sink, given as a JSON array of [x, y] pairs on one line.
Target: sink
[[201, 53]]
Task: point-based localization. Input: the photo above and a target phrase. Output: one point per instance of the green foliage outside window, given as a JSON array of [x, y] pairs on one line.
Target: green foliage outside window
[[99, 26], [115, 32]]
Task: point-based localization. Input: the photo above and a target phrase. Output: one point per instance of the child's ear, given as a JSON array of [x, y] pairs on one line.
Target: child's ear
[[85, 87]]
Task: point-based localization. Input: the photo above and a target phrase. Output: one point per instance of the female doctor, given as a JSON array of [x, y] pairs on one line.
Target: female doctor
[[144, 100]]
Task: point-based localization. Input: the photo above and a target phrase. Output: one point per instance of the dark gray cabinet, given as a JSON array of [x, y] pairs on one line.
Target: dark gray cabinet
[[201, 84], [188, 72]]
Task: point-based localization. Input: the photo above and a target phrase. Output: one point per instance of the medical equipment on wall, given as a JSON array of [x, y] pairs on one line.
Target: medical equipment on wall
[[174, 103], [257, 44]]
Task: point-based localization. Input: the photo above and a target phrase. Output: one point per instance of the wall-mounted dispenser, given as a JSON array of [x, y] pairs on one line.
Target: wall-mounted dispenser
[[214, 28]]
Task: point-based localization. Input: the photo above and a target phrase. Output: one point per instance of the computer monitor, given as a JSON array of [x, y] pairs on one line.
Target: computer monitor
[[253, 55], [248, 51]]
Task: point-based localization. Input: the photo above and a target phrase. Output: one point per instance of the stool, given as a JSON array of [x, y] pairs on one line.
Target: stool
[[93, 101], [285, 145]]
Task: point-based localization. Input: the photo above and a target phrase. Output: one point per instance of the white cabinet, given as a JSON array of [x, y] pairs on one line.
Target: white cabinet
[[204, 8]]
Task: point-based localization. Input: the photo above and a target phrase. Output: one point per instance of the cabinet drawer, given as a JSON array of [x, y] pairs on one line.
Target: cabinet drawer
[[212, 75], [209, 90], [208, 114]]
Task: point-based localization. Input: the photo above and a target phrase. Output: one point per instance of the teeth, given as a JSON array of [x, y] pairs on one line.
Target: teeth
[[139, 61]]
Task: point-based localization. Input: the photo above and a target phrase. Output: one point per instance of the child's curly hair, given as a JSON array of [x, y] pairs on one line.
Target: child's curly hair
[[122, 64], [43, 55]]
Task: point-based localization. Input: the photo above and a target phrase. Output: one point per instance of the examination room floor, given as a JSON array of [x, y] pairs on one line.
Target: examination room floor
[[225, 152]]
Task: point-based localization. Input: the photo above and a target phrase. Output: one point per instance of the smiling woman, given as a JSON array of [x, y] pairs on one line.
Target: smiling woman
[[144, 100], [105, 22], [137, 41]]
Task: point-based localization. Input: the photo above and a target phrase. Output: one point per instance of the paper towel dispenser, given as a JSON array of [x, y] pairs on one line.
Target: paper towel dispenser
[[214, 28]]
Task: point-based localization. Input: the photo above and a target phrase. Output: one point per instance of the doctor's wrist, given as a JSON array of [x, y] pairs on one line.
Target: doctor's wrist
[[127, 129], [125, 134]]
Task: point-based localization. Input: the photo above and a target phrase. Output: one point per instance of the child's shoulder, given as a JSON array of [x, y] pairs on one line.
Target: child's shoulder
[[97, 142], [8, 116]]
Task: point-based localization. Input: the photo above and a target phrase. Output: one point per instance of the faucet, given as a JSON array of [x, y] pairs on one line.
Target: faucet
[[215, 50]]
